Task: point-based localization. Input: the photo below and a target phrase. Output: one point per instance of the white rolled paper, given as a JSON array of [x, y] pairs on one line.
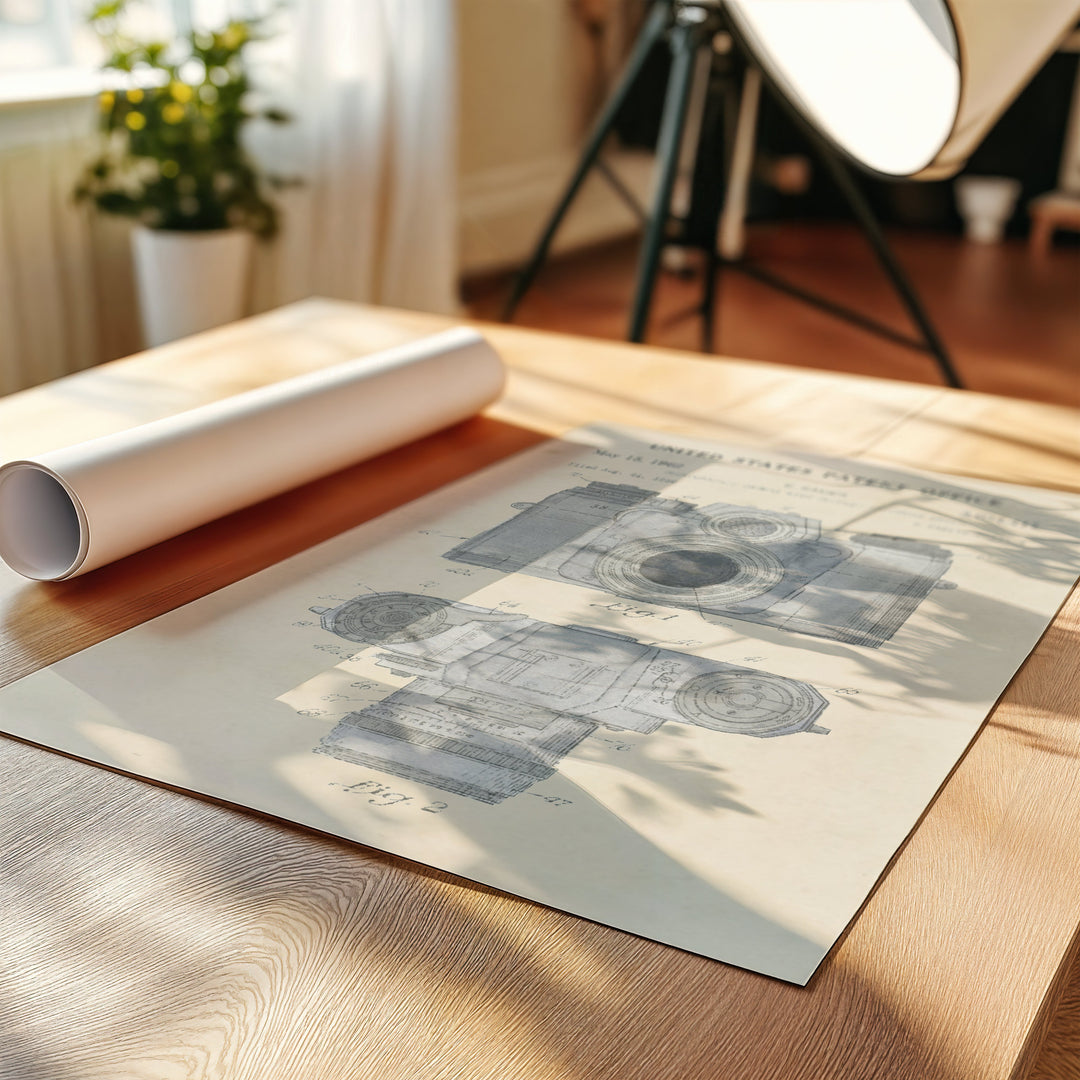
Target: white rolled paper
[[66, 512]]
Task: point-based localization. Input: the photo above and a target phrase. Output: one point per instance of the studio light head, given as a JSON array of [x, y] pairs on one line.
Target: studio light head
[[906, 88]]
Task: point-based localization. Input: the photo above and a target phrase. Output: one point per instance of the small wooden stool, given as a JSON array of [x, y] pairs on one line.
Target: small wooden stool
[[1054, 210]]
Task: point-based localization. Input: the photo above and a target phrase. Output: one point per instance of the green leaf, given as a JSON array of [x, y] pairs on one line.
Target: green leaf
[[108, 9]]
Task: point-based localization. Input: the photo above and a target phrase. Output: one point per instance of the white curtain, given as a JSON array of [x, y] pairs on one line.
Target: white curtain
[[373, 144], [372, 85], [45, 262]]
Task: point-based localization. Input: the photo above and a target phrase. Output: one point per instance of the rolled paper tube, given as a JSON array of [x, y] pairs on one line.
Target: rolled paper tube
[[66, 512]]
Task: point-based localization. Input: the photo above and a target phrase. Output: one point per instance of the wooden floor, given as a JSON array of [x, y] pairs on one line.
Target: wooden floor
[[1010, 321]]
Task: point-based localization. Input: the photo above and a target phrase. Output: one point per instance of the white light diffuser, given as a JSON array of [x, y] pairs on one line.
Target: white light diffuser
[[908, 88]]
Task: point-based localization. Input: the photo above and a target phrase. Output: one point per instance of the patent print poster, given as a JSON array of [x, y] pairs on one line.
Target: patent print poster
[[692, 691]]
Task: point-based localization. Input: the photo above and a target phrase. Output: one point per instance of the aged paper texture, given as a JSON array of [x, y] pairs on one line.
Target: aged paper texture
[[692, 691]]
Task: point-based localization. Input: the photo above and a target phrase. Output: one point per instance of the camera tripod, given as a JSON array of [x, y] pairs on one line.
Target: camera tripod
[[690, 26]]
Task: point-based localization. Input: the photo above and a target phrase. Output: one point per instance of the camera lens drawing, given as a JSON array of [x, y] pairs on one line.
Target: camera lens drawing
[[391, 618], [721, 560], [703, 570], [761, 704], [496, 700], [755, 526]]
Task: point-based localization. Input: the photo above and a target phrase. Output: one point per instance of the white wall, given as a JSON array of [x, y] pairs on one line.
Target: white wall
[[526, 70]]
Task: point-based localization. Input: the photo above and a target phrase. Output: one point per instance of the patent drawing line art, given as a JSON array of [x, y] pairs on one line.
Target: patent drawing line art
[[498, 699], [720, 560]]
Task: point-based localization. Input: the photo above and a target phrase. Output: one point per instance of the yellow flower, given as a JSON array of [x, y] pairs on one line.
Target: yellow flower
[[106, 100], [234, 36], [135, 96], [169, 169], [172, 113], [135, 121], [181, 92]]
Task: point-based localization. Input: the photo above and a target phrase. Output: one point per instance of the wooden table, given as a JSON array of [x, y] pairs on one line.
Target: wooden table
[[150, 934]]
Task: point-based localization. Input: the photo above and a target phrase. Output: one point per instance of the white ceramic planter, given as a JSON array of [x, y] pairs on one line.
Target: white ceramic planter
[[189, 281]]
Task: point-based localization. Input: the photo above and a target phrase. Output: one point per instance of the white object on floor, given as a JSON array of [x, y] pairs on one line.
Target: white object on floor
[[986, 203]]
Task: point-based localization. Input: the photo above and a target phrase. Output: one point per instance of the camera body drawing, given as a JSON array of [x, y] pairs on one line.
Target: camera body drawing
[[498, 699], [720, 560]]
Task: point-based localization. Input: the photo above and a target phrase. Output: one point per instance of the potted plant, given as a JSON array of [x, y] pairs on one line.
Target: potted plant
[[172, 159]]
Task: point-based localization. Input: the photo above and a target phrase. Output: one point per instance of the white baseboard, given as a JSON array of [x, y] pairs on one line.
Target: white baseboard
[[502, 210]]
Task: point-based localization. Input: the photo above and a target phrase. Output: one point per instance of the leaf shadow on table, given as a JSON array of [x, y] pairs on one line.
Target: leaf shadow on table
[[202, 941]]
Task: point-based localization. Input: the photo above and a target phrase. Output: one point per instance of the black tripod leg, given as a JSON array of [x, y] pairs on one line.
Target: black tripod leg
[[718, 193], [685, 39], [652, 31], [709, 301], [866, 218]]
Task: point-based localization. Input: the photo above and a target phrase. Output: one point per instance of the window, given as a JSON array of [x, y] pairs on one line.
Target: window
[[47, 50], [35, 34]]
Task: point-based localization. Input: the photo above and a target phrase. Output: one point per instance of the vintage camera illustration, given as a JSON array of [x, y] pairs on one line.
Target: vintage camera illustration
[[720, 560], [498, 699]]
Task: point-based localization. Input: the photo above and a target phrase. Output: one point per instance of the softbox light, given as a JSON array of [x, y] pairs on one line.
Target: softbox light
[[906, 88]]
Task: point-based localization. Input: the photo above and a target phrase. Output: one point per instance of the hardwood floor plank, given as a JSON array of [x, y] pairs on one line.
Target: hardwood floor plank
[[1010, 320]]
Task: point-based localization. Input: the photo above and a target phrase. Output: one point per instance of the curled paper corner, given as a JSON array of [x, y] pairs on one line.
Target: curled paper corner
[[44, 534]]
